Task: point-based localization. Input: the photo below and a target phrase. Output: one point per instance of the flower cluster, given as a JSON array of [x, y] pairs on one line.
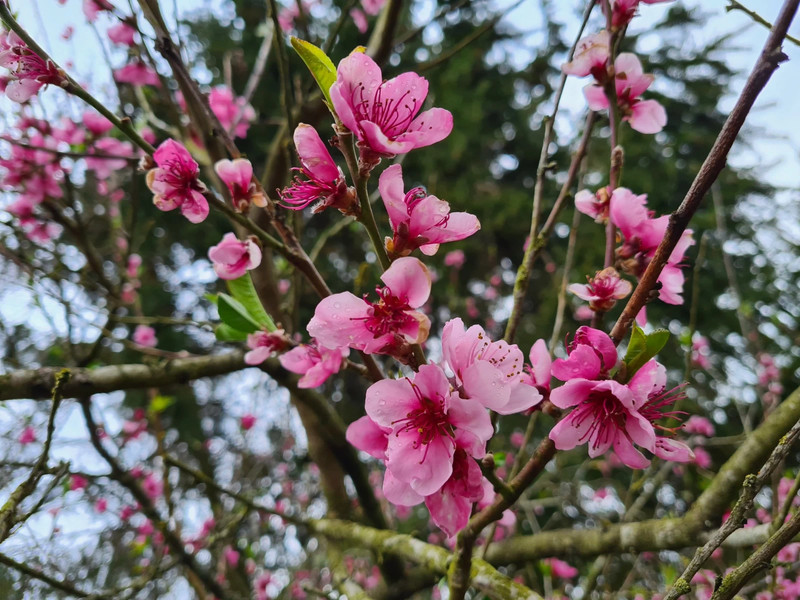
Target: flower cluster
[[609, 414], [29, 71], [174, 182]]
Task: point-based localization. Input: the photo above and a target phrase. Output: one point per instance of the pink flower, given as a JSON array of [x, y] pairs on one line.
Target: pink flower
[[101, 505], [69, 30], [137, 73], [654, 402], [366, 435], [39, 231], [645, 116], [418, 220], [262, 344], [104, 167], [315, 363], [700, 352], [153, 486], [455, 259], [227, 108], [605, 415], [702, 458], [77, 482], [122, 34], [591, 355], [27, 436], [145, 336], [422, 415], [96, 123], [288, 14], [699, 425], [595, 205], [560, 569], [324, 183], [387, 326], [174, 182], [591, 57], [360, 19], [489, 372], [233, 258], [247, 421], [92, 8], [603, 290], [382, 113], [29, 71], [642, 234], [134, 262], [622, 11], [237, 175], [538, 373], [372, 7], [231, 556], [451, 506]]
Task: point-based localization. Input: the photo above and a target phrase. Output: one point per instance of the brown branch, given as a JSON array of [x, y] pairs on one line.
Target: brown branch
[[37, 383], [769, 60]]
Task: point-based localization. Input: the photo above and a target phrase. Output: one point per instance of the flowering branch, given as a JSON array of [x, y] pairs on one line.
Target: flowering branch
[[769, 60]]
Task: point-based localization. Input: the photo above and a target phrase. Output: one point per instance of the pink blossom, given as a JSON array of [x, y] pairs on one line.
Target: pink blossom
[[122, 34], [231, 556], [486, 371], [77, 482], [699, 425], [645, 116], [654, 402], [594, 205], [539, 372], [108, 146], [27, 436], [96, 123], [288, 14], [324, 183], [69, 30], [561, 569], [233, 258], [153, 486], [455, 259], [69, 132], [591, 57], [366, 435], [92, 8], [29, 72], [226, 108], [134, 262], [700, 352], [622, 11], [359, 19], [247, 421], [418, 220], [128, 293], [603, 290], [145, 336], [137, 73], [702, 458], [451, 506], [237, 175], [372, 7], [101, 505], [315, 363], [642, 234], [387, 326], [591, 355], [605, 415], [174, 182], [422, 415], [263, 344], [382, 113], [39, 231]]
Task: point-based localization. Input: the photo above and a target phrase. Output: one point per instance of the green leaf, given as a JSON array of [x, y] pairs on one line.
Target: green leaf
[[321, 67], [642, 348], [161, 403], [235, 315], [245, 292], [226, 333]]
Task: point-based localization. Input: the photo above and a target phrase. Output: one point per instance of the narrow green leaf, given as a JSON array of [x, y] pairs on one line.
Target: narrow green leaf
[[226, 333], [245, 292], [235, 315], [321, 67]]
